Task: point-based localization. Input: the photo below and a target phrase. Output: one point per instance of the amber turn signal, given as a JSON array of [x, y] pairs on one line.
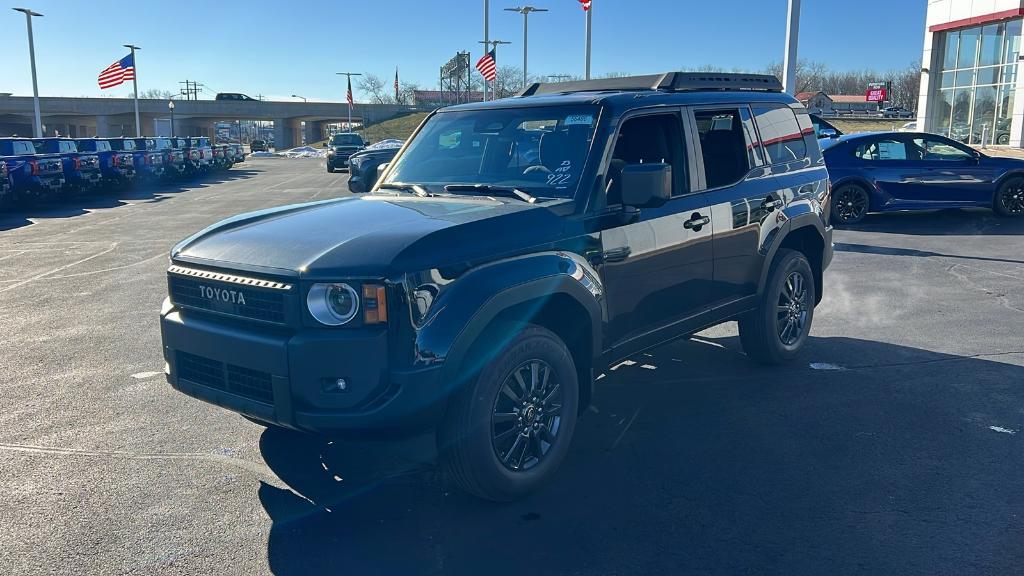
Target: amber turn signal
[[375, 304]]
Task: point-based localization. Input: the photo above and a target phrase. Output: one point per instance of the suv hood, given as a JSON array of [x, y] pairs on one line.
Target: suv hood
[[372, 235]]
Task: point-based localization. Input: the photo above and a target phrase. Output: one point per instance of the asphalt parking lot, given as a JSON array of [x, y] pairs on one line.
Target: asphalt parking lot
[[894, 446]]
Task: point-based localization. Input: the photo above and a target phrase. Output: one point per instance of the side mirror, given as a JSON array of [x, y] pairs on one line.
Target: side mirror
[[646, 185], [827, 133], [381, 168]]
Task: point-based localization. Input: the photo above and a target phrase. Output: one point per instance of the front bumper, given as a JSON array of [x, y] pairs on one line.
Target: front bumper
[[279, 376]]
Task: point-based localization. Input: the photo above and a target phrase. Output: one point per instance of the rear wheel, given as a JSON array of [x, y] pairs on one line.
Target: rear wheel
[[849, 204], [330, 168], [778, 329], [508, 432], [1009, 199]]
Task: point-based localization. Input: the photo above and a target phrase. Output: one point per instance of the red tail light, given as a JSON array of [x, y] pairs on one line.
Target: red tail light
[[117, 160], [78, 163], [34, 167]]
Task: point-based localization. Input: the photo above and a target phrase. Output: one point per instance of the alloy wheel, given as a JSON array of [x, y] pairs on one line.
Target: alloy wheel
[[1012, 198], [850, 203], [527, 415], [792, 309]]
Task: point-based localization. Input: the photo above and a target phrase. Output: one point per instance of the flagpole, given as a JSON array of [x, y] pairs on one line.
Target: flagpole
[[590, 13], [135, 87], [487, 41]]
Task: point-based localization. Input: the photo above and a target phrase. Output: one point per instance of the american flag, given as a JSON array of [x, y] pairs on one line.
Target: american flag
[[348, 96], [118, 73], [488, 66], [585, 5]]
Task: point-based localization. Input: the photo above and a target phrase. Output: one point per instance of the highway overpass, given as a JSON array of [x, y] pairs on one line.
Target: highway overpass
[[83, 117]]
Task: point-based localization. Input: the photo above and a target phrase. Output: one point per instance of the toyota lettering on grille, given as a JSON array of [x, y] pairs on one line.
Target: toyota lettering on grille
[[222, 295]]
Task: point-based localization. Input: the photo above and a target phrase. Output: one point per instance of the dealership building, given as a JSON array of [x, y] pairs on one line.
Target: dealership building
[[969, 80]]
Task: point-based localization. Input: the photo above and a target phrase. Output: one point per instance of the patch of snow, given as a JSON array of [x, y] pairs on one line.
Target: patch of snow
[[825, 366], [1002, 430], [263, 155], [304, 152], [648, 367]]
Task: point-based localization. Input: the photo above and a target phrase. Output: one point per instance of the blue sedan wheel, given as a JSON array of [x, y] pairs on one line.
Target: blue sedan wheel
[[1009, 199], [849, 204]]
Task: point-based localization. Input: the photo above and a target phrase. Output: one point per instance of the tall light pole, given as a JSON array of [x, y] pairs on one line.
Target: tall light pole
[[525, 11], [792, 38], [297, 96], [487, 42], [348, 94], [590, 19], [135, 88], [38, 127]]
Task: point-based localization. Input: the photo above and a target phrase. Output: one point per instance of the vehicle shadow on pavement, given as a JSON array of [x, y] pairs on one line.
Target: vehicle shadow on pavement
[[69, 206], [959, 221], [861, 456]]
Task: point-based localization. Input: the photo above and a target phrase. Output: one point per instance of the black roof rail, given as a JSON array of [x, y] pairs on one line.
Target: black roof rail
[[668, 82]]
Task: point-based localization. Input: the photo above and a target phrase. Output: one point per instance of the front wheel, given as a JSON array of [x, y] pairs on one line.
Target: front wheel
[[778, 329], [1009, 200], [508, 431], [850, 204]]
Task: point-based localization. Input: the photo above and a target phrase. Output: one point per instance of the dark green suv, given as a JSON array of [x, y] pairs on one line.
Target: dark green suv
[[511, 252]]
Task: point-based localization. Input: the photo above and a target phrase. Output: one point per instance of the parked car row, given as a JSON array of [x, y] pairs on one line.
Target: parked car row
[[33, 168]]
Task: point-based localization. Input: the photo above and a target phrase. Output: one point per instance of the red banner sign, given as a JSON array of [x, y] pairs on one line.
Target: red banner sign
[[876, 95]]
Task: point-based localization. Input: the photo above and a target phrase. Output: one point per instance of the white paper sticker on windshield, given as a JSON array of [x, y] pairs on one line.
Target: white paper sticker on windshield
[[579, 120]]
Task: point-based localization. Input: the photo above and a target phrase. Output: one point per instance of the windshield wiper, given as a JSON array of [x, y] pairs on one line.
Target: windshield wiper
[[491, 190], [414, 188]]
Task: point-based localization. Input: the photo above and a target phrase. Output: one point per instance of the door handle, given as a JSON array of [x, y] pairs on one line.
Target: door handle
[[616, 254], [770, 204], [696, 222]]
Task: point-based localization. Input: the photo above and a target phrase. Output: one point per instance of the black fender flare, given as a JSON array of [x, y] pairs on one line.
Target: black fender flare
[[794, 222], [466, 308]]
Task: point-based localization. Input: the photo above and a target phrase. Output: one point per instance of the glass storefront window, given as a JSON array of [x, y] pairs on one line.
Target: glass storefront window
[[977, 81]]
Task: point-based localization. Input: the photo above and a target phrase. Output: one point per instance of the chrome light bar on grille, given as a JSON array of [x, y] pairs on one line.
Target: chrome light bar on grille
[[230, 278]]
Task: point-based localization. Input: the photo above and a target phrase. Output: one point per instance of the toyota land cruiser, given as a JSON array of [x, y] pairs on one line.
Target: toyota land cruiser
[[512, 250]]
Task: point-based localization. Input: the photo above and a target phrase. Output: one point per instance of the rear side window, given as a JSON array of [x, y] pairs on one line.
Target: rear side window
[[781, 135], [24, 147], [882, 150], [726, 148]]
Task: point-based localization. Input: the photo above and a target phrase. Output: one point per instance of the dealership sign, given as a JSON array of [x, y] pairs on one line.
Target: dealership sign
[[877, 92]]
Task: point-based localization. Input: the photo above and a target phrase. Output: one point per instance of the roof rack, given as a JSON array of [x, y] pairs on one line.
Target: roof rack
[[667, 82]]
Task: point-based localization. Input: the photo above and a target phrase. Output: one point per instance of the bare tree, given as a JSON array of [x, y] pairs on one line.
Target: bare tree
[[156, 94], [376, 89]]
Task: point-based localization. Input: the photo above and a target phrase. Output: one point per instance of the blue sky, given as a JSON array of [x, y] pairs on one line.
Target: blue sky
[[279, 48]]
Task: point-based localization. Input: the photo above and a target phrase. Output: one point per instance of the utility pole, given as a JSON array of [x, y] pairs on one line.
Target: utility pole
[[348, 94], [135, 88], [488, 46], [487, 42], [792, 38], [38, 127], [525, 11]]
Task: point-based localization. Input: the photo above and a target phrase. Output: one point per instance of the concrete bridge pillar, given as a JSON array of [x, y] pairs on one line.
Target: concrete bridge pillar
[[286, 133], [314, 131]]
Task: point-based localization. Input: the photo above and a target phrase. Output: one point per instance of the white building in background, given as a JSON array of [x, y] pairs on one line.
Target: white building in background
[[969, 80]]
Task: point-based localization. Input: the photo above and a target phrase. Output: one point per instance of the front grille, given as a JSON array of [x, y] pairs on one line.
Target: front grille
[[245, 382], [228, 297]]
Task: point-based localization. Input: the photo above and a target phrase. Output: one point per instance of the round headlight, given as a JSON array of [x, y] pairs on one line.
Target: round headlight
[[333, 304]]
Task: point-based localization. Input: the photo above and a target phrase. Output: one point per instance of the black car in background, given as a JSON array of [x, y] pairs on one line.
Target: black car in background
[[340, 148], [363, 165], [258, 146]]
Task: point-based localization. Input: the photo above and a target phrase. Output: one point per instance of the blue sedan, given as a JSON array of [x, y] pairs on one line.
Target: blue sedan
[[885, 171]]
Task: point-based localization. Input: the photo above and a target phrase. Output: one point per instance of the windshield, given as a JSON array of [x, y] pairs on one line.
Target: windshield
[[538, 150], [346, 140]]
